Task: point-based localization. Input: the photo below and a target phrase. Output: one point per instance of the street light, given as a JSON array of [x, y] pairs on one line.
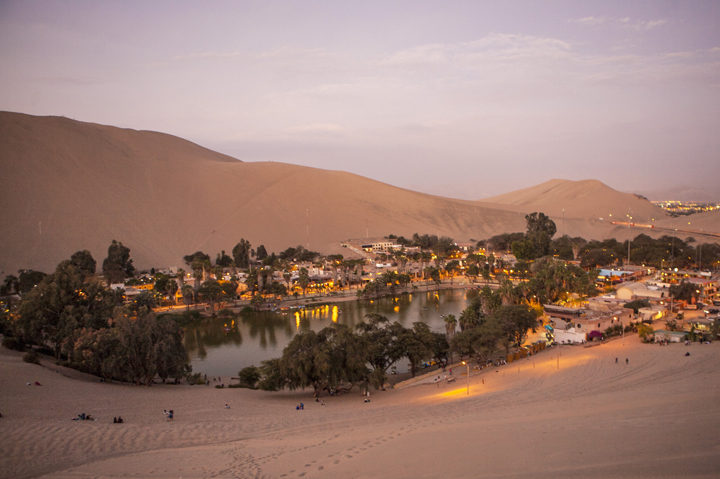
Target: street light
[[468, 377]]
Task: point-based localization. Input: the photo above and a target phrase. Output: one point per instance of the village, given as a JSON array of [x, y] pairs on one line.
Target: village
[[575, 319]]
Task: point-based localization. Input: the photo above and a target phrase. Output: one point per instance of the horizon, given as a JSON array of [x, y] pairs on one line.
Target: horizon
[[487, 99]]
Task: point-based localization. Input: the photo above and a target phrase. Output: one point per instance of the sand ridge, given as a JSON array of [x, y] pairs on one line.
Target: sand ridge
[[591, 418]]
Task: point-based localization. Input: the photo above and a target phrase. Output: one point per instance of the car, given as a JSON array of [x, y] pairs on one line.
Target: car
[[712, 311], [716, 303]]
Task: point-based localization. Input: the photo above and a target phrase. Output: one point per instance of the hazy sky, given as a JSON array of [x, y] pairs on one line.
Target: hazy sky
[[462, 99]]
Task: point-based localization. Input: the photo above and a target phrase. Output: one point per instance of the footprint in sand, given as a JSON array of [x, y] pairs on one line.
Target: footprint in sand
[[336, 462], [320, 468]]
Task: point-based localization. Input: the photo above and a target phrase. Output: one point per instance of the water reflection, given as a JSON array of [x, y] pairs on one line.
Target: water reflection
[[216, 346]]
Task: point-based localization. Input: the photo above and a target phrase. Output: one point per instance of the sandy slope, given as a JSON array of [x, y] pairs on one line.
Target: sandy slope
[[656, 417], [70, 185], [579, 199]]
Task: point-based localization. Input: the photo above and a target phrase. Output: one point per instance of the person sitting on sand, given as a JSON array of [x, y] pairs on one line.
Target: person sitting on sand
[[687, 354], [120, 420], [114, 420], [227, 407], [170, 415], [366, 400]]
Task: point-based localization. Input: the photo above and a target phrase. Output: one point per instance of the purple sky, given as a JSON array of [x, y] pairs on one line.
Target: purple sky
[[461, 99]]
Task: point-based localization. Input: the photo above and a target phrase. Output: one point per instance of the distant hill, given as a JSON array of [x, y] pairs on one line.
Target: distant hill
[[584, 199]]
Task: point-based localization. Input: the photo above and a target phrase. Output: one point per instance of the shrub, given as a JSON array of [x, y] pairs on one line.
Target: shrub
[[13, 343], [247, 310], [249, 376], [196, 379], [32, 357], [186, 318]]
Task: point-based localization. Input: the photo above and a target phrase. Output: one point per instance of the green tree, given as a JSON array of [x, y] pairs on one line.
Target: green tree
[[250, 376], [516, 320], [683, 292], [118, 265], [188, 295], [450, 325], [637, 304], [645, 330], [150, 347], [212, 292], [416, 344], [304, 279], [223, 260], [324, 360], [84, 262], [241, 254], [63, 302], [479, 342], [261, 253], [11, 285], [451, 268], [380, 344], [28, 279]]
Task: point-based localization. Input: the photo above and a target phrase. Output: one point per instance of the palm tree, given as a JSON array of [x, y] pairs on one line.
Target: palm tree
[[172, 288], [188, 295], [450, 325]]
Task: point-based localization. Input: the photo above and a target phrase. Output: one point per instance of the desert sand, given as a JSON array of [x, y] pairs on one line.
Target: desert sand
[[655, 417], [70, 185]]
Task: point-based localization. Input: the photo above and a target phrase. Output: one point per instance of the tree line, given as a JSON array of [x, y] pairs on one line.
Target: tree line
[[72, 315], [338, 358]]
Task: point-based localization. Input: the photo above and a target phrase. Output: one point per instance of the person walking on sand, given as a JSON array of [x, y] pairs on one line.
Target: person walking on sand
[[627, 361], [616, 360]]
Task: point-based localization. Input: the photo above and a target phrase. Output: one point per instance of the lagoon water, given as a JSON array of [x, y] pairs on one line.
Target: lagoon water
[[223, 346]]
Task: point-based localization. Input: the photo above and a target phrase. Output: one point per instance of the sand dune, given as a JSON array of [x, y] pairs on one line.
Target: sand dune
[[69, 185], [579, 199], [655, 417], [72, 185]]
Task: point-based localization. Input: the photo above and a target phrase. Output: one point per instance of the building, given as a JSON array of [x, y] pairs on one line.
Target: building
[[572, 325], [675, 276], [706, 289], [371, 245], [631, 291], [670, 336]]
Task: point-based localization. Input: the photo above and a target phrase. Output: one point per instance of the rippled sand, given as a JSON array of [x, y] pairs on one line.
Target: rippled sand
[[656, 417]]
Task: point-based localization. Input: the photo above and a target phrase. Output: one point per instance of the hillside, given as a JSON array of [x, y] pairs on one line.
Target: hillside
[[580, 199], [70, 185]]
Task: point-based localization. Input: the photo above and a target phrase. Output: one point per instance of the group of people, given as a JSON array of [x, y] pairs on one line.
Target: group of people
[[118, 420], [627, 361], [299, 407], [169, 414], [83, 417]]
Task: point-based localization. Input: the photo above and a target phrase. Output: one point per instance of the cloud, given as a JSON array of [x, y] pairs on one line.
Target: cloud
[[589, 20], [493, 46], [624, 22], [649, 25]]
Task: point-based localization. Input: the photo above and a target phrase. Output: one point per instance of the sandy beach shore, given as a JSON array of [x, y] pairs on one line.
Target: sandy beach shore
[[654, 417]]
